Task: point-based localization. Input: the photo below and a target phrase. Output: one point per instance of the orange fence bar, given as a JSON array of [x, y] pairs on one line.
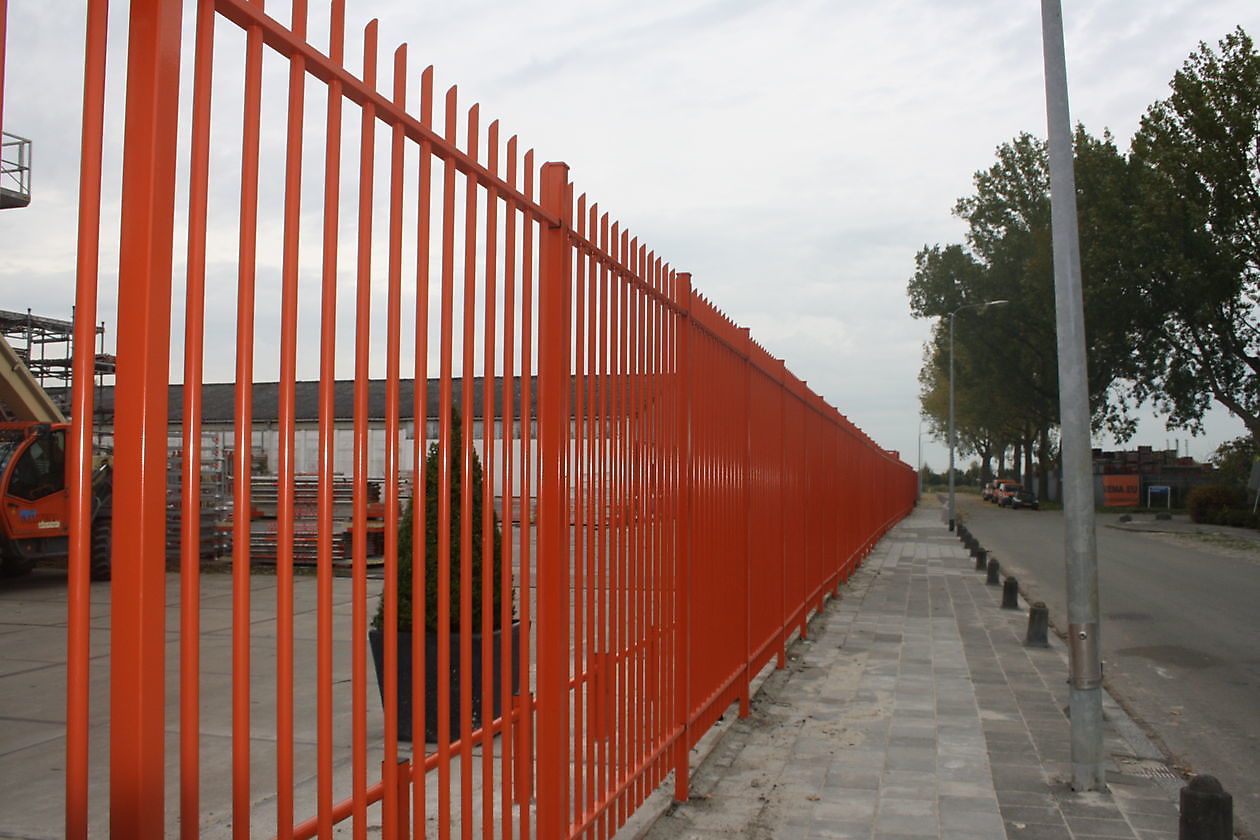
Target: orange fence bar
[[604, 506], [137, 690]]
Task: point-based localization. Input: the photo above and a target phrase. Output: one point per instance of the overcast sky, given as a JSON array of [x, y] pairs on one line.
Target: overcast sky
[[792, 155]]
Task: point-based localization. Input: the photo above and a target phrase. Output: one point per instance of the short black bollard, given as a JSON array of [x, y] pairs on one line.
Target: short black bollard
[[1010, 594], [1207, 811], [1038, 626], [993, 573], [962, 531], [982, 559]]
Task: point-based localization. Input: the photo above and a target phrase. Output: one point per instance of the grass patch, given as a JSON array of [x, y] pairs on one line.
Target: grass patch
[[1226, 541]]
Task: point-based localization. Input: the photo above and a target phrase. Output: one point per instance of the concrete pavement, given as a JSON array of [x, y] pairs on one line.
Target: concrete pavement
[[915, 711]]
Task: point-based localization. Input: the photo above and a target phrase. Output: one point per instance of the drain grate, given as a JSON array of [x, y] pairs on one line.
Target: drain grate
[[1147, 768]]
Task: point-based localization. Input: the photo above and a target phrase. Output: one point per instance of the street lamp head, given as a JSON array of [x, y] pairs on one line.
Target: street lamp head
[[989, 303]]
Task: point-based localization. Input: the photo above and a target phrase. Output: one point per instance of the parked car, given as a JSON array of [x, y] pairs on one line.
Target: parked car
[[1025, 499], [1006, 492], [992, 489]]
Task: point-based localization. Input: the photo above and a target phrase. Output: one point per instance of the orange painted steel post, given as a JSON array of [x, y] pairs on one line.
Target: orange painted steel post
[[683, 562], [446, 363], [420, 414], [242, 436], [525, 746], [465, 487], [553, 529], [783, 514], [138, 632], [287, 411], [745, 480], [507, 494], [190, 516], [362, 327], [395, 801], [326, 433], [79, 456]]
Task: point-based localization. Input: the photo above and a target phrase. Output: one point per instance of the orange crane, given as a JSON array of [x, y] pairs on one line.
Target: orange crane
[[34, 500]]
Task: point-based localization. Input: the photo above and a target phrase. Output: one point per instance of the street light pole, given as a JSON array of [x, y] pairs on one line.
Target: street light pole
[[1084, 651], [952, 437]]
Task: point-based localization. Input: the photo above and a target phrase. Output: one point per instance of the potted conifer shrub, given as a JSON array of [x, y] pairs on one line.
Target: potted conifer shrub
[[480, 565]]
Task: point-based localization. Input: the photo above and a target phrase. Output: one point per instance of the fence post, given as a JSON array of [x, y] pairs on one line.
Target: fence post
[[138, 631], [782, 493], [554, 336], [79, 443], [682, 588], [745, 479]]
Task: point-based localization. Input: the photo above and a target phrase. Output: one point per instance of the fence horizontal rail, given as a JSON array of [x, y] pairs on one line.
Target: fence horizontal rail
[[578, 573]]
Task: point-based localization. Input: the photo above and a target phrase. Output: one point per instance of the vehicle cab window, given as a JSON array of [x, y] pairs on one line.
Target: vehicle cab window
[[41, 469]]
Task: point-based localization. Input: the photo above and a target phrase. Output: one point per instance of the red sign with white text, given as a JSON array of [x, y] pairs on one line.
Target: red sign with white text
[[1121, 491]]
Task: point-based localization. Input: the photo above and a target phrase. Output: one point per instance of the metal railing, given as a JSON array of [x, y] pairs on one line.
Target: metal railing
[[695, 502], [15, 171]]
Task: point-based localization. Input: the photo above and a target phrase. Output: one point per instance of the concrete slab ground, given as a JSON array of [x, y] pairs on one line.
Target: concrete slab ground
[[33, 701]]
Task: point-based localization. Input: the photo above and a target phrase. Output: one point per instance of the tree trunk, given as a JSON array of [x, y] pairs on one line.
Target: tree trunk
[[1043, 463], [1028, 459]]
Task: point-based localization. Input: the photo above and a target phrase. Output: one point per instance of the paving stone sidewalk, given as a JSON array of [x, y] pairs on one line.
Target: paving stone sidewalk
[[915, 711]]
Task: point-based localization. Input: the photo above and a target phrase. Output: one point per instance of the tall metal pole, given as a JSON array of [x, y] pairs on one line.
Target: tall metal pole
[[1078, 491]]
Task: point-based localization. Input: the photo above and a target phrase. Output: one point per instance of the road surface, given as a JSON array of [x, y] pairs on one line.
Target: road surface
[[1180, 632]]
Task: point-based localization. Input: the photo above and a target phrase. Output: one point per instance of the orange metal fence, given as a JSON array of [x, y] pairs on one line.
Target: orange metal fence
[[695, 501]]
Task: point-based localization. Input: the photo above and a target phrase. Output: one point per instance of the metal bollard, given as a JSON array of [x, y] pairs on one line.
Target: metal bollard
[[982, 559], [1010, 594], [1207, 811], [1038, 626], [993, 573]]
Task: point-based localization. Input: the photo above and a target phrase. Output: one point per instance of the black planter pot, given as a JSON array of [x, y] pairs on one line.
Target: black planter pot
[[376, 640]]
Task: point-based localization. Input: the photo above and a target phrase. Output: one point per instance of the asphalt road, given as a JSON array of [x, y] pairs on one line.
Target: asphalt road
[[1180, 633]]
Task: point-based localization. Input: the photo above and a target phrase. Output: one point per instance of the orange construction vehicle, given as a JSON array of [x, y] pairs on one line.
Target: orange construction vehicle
[[34, 518]]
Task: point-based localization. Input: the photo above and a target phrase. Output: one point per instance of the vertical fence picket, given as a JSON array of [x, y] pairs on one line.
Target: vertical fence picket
[[138, 595], [79, 443]]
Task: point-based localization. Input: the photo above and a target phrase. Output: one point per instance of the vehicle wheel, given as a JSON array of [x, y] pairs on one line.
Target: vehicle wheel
[[15, 566], [101, 539]]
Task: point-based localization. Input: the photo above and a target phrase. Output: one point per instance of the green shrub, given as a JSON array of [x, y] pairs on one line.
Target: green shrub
[[1218, 504], [1237, 518], [476, 549]]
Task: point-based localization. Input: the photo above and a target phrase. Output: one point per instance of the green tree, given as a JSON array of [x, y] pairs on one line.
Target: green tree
[[1197, 229], [1006, 362], [1233, 460], [476, 551]]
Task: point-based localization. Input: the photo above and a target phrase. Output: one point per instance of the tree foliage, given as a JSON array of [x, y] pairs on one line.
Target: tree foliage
[[1006, 361], [1170, 264], [474, 553], [1233, 460], [1197, 234]]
